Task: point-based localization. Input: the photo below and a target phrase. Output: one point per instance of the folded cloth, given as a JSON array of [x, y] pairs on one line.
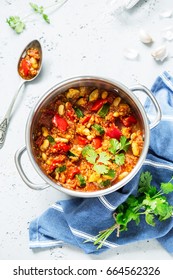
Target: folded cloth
[[75, 220]]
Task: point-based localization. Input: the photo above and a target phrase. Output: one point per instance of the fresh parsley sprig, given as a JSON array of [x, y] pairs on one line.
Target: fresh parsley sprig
[[18, 24], [148, 202]]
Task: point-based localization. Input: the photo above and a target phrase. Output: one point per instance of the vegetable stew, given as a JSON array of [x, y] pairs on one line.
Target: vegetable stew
[[30, 64], [88, 139]]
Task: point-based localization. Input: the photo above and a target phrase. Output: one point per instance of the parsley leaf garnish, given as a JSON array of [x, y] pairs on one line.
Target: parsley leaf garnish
[[89, 153], [149, 202], [104, 158], [16, 24]]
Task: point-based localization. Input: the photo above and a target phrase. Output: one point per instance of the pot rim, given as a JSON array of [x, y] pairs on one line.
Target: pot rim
[[121, 183]]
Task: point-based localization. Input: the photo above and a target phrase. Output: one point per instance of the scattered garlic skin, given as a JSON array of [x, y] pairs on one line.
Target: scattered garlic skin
[[160, 53], [166, 14], [130, 54], [167, 33], [145, 37]]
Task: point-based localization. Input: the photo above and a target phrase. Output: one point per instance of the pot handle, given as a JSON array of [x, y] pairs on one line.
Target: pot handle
[[17, 157], [154, 101]]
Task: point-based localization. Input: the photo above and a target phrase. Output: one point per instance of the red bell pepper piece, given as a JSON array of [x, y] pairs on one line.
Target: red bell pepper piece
[[71, 114], [60, 122], [128, 121], [25, 66], [61, 147], [72, 172], [98, 104], [97, 142], [113, 132], [82, 141], [85, 119], [58, 159]]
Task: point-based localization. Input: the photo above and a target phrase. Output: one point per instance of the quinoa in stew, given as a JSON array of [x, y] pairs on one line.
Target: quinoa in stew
[[88, 139], [30, 64]]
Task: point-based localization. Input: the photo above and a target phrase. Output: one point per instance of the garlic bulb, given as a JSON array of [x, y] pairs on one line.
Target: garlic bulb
[[145, 37], [130, 53], [160, 53]]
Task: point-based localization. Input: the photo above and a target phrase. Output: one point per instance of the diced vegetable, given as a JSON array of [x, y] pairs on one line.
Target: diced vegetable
[[86, 119], [81, 140], [70, 154], [60, 169], [128, 121], [105, 183], [94, 95], [98, 104], [97, 142], [104, 110], [81, 179], [79, 113], [113, 132], [98, 128], [61, 147], [72, 171], [60, 122], [51, 139]]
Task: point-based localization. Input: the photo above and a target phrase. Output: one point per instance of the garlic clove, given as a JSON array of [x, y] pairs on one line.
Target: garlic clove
[[130, 53], [167, 33], [160, 53], [166, 14], [145, 37]]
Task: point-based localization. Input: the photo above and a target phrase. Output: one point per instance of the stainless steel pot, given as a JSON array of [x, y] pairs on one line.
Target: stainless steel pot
[[99, 82]]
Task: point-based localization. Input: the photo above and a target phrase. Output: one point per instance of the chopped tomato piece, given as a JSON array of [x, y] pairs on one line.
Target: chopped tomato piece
[[128, 121], [98, 104], [113, 132], [61, 147], [60, 122], [25, 65], [97, 142], [58, 159], [81, 140], [72, 171]]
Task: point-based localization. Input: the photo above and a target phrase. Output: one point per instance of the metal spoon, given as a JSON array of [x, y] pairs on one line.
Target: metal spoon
[[5, 122]]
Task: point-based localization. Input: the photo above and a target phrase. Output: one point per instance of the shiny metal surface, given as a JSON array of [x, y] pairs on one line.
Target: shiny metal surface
[[112, 85]]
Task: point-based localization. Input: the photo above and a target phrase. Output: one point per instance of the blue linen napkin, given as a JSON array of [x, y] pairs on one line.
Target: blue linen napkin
[[75, 220]]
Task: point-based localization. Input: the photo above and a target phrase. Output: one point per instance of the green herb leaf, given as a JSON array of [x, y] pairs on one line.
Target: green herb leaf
[[167, 187], [145, 181], [46, 18], [124, 143], [104, 158], [149, 218], [111, 173], [36, 8], [120, 159], [114, 146], [16, 24], [100, 168], [89, 153]]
